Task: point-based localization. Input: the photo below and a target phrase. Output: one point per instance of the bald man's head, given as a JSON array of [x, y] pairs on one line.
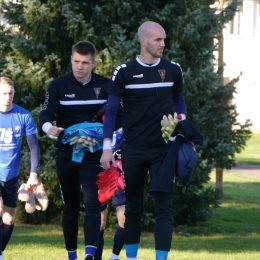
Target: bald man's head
[[147, 29], [151, 36]]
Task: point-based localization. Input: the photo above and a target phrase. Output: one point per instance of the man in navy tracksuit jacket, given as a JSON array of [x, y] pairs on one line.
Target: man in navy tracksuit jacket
[[72, 99], [150, 87]]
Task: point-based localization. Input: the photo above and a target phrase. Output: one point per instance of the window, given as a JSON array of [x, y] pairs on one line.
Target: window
[[256, 32], [235, 24]]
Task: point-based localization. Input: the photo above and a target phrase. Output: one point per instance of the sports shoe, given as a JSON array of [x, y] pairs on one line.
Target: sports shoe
[[89, 257], [107, 184]]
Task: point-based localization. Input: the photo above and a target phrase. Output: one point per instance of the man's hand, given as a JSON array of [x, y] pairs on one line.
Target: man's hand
[[168, 125], [33, 180], [106, 158], [54, 132]]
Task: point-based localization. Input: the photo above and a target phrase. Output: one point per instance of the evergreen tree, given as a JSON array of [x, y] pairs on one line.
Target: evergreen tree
[[37, 48]]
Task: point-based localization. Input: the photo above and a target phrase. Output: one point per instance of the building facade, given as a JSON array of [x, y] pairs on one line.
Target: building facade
[[241, 54]]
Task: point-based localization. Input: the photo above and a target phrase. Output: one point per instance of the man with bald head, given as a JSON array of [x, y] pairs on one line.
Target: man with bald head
[[151, 51], [150, 87]]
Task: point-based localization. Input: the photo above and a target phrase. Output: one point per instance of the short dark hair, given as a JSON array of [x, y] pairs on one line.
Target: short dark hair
[[84, 48]]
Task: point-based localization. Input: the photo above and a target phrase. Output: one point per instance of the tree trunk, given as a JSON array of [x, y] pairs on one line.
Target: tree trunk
[[219, 171], [219, 180]]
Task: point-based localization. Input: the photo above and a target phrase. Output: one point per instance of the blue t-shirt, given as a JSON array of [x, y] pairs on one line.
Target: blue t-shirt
[[13, 126]]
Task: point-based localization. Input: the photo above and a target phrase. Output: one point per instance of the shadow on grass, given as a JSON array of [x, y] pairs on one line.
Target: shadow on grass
[[216, 243], [233, 228]]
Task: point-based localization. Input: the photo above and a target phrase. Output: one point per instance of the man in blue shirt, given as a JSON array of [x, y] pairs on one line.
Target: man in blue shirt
[[15, 122]]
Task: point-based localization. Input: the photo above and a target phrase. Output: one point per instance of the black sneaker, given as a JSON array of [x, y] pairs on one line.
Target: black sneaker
[[89, 257]]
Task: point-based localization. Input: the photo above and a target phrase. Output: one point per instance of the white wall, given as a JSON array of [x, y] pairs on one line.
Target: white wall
[[242, 54]]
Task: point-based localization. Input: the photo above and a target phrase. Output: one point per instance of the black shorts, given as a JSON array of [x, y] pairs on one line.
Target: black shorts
[[103, 206], [119, 198], [8, 192]]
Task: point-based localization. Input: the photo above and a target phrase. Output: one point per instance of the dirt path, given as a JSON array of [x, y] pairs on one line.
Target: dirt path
[[245, 169]]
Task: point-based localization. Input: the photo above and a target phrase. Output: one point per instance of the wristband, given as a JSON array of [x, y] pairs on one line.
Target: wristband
[[46, 127], [107, 145], [181, 117]]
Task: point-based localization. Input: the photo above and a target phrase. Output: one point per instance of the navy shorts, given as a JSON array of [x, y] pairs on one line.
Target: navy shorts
[[8, 192], [119, 198], [103, 206]]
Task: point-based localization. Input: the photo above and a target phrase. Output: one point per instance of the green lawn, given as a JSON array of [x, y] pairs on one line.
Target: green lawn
[[251, 154], [232, 234]]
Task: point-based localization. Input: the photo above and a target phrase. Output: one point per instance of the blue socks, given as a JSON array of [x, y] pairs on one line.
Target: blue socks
[[161, 255], [131, 251], [72, 254], [90, 250]]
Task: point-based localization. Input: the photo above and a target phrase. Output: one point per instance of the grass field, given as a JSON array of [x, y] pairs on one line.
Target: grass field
[[232, 234], [251, 154]]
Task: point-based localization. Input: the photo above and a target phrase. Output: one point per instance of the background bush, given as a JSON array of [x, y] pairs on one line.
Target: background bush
[[37, 48]]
